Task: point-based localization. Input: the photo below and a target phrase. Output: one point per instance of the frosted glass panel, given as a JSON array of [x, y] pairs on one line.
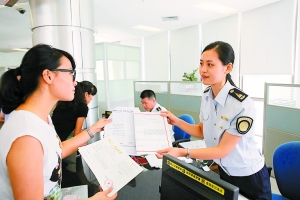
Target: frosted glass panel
[[132, 70], [115, 70], [184, 88], [157, 87], [284, 96], [254, 85], [99, 70]]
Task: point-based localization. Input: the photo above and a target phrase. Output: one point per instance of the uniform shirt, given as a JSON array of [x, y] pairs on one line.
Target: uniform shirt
[[30, 124], [158, 108], [65, 121], [234, 115]]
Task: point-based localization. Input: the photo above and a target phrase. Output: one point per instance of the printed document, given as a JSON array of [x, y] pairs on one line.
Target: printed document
[[75, 192], [139, 133], [151, 133], [122, 128], [193, 144], [110, 164]]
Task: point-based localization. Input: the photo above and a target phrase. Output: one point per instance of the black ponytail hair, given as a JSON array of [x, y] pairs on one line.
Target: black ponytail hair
[[17, 84], [225, 53], [88, 87]]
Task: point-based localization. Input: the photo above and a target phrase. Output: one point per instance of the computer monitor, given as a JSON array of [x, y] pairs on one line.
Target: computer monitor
[[181, 181]]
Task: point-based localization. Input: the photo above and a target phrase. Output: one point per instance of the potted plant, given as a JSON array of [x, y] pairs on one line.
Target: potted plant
[[190, 77]]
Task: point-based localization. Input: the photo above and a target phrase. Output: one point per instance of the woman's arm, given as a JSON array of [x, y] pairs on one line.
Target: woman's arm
[[25, 168], [78, 125], [71, 145], [226, 145], [192, 129]]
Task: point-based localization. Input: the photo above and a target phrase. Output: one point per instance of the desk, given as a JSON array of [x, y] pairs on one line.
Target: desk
[[147, 187]]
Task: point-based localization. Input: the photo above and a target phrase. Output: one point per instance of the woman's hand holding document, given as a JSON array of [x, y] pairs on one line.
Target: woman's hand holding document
[[111, 165]]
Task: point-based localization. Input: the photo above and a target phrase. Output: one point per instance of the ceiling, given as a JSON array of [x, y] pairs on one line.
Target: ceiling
[[114, 19]]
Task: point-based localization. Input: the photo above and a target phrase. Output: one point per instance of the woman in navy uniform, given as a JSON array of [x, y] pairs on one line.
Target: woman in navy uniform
[[227, 117]]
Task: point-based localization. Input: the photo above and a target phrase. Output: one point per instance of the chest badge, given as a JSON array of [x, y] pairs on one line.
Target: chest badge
[[243, 124], [224, 118]]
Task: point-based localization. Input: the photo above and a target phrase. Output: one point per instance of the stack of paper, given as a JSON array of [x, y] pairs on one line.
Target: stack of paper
[[139, 133]]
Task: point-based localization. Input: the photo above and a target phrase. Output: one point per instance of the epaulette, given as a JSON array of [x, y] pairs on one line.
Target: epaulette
[[207, 89], [237, 94], [158, 109]]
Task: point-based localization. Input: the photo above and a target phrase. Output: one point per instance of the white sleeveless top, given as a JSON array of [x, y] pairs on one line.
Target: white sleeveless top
[[22, 123]]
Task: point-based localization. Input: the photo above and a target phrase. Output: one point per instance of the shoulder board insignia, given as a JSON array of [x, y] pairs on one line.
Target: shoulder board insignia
[[237, 94], [158, 109], [243, 124], [207, 89]]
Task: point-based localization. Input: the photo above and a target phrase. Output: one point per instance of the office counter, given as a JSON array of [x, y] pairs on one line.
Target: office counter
[[147, 187]]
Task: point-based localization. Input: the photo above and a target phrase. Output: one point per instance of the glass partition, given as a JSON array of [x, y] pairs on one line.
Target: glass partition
[[287, 95], [186, 88]]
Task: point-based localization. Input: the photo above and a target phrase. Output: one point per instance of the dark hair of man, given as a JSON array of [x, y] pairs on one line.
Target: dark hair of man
[[148, 94], [225, 53], [88, 87], [13, 90]]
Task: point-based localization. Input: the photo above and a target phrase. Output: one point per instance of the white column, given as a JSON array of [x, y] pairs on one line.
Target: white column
[[68, 25]]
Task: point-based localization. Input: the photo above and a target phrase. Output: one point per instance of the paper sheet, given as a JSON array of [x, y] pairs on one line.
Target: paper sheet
[[122, 129], [151, 133], [110, 164], [74, 193], [193, 144]]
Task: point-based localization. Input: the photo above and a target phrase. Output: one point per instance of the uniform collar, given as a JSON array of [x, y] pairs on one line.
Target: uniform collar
[[154, 108], [222, 96]]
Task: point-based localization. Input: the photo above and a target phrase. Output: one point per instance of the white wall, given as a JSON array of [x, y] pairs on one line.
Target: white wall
[[226, 30], [184, 51], [156, 57]]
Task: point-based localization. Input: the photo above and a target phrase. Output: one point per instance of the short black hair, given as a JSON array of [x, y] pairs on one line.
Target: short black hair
[[148, 94]]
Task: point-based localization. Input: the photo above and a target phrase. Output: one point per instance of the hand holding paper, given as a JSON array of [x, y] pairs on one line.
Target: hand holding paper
[[110, 164]]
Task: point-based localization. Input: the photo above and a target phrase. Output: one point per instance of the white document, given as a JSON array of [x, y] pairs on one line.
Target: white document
[[122, 129], [110, 164], [74, 193], [151, 133], [154, 161], [193, 144]]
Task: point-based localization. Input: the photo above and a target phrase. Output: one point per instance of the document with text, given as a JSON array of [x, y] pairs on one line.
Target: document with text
[[122, 128], [151, 133], [111, 165], [75, 192]]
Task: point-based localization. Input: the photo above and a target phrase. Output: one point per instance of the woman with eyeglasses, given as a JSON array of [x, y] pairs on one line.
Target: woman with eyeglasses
[[30, 150], [68, 118]]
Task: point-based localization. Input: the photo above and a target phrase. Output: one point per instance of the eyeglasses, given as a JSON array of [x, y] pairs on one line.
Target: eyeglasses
[[73, 72]]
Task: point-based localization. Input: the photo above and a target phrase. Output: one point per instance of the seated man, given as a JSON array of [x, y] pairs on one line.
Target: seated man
[[148, 99]]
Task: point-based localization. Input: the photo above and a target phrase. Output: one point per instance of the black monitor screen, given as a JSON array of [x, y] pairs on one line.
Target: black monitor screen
[[181, 181]]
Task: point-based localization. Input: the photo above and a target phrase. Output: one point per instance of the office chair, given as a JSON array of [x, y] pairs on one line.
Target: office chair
[[286, 164], [180, 135]]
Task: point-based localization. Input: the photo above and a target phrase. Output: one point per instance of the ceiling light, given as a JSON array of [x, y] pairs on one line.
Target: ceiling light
[[170, 18], [147, 28], [21, 49], [206, 5]]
